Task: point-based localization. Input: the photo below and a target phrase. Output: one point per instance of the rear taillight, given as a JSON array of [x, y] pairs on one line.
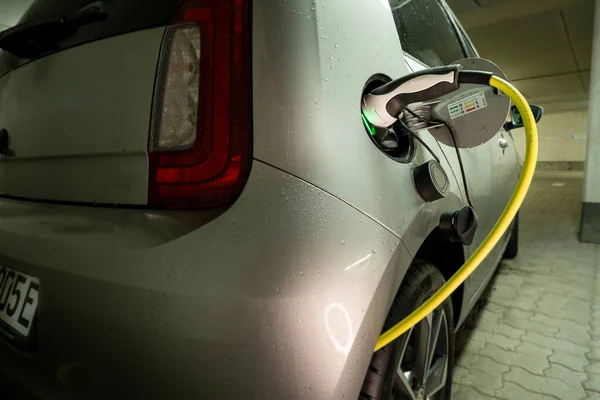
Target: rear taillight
[[200, 142]]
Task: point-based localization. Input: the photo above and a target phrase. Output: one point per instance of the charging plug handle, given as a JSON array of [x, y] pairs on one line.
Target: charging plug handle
[[475, 77], [384, 105]]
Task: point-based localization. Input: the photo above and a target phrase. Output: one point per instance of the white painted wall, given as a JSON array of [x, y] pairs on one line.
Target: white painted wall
[[561, 136]]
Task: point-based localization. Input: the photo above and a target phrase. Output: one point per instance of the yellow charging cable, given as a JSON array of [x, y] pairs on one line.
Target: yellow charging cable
[[495, 234]]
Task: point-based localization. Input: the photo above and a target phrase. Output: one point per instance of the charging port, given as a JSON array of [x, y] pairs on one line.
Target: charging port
[[394, 141]]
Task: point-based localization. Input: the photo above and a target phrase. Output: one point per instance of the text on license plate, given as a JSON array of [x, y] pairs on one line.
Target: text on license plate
[[18, 299]]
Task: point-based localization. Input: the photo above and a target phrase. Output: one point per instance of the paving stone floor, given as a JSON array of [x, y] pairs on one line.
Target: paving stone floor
[[537, 334]]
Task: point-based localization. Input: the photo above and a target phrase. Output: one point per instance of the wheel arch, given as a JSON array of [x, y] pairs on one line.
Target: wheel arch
[[423, 241], [448, 257]]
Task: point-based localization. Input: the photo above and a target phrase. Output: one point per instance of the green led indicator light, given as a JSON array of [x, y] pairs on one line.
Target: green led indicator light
[[368, 125]]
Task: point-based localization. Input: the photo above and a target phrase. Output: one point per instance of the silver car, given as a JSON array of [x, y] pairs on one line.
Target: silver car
[[192, 208]]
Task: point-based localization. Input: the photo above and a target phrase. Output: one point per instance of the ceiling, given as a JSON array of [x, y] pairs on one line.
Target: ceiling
[[11, 11], [543, 46]]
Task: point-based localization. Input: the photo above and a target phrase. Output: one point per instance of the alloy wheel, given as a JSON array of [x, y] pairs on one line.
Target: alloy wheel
[[422, 372]]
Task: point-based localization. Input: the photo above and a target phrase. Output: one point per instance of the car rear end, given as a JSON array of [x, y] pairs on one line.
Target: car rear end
[[144, 252], [125, 129]]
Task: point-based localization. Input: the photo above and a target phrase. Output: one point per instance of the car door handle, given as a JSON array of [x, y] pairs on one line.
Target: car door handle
[[503, 143]]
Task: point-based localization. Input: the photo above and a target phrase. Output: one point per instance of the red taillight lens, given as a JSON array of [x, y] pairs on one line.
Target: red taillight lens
[[200, 146]]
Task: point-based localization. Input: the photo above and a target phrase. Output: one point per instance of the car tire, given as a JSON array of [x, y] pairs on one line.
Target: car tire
[[399, 367], [512, 249]]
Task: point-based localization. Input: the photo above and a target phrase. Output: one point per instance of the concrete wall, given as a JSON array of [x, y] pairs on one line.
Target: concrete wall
[[561, 136]]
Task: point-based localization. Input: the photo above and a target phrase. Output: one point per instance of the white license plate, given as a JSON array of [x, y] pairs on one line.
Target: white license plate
[[18, 299]]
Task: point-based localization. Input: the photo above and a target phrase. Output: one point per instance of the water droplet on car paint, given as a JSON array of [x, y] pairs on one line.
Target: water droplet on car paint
[[379, 198], [374, 251], [343, 242], [278, 290]]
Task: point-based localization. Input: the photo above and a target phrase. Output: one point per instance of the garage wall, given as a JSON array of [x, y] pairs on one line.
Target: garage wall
[[561, 137]]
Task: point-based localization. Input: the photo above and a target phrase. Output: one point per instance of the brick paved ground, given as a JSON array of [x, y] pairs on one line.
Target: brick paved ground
[[537, 334]]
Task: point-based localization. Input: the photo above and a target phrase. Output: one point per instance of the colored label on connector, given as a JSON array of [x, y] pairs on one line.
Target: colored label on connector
[[466, 106]]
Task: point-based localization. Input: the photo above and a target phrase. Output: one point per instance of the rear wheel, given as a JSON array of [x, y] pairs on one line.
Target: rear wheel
[[418, 365], [512, 249]]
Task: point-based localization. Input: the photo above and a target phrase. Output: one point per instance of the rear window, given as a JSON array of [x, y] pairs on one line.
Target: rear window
[[123, 16]]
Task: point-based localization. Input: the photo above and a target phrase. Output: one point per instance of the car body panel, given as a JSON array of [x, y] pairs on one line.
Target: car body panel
[[502, 173], [303, 298], [58, 153], [485, 166], [321, 138]]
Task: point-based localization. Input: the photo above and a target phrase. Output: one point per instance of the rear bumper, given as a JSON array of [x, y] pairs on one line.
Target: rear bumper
[[279, 297]]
